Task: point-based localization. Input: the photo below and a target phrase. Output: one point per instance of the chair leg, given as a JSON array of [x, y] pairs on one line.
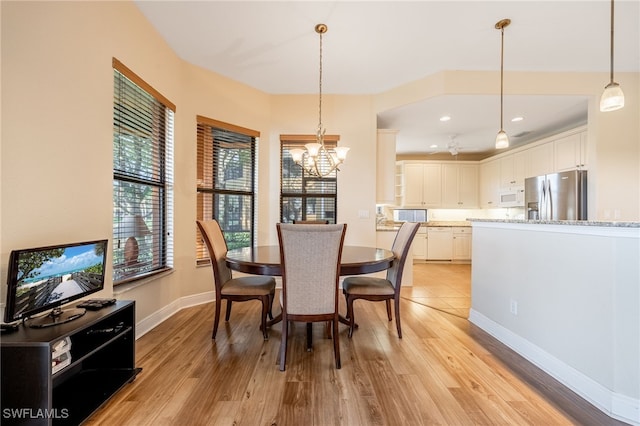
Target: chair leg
[[216, 317], [350, 315], [346, 299], [388, 309], [336, 342], [265, 310], [309, 337], [271, 297], [397, 309], [228, 314], [283, 342]]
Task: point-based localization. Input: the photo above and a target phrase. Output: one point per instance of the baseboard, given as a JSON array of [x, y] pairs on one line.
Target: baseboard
[[153, 320], [614, 405]]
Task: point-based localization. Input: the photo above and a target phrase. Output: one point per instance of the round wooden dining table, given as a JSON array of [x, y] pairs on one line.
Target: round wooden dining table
[[265, 260]]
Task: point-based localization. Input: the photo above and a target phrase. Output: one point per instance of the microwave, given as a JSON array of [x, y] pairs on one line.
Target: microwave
[[512, 197]]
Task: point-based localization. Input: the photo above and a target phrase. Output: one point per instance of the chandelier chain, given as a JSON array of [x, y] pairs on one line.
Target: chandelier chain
[[320, 89]]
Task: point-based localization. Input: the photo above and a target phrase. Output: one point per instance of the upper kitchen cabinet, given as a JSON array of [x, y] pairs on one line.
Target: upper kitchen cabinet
[[571, 152], [422, 184], [490, 184], [459, 185], [539, 160], [386, 167], [512, 170]]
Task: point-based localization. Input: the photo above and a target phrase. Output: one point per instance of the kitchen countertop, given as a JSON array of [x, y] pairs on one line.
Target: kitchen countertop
[[391, 226], [563, 222]]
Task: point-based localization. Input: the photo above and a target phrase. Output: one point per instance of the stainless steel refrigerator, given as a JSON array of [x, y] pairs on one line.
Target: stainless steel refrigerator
[[557, 196]]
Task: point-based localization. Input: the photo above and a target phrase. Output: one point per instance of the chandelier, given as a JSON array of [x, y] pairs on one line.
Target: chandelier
[[502, 140], [316, 159]]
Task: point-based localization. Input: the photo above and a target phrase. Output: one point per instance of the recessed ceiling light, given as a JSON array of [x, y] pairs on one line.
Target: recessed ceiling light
[[433, 146], [445, 118], [514, 119]]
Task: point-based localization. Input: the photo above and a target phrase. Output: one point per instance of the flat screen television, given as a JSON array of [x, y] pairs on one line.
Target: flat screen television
[[45, 278]]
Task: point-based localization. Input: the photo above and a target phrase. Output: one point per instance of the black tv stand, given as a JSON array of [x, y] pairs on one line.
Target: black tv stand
[[98, 359]]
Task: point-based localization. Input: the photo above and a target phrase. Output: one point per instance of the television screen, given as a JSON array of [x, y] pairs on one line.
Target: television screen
[[46, 278]]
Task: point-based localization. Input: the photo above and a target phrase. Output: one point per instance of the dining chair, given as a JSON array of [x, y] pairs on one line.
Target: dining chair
[[309, 325], [231, 289], [379, 289], [311, 222], [310, 259]]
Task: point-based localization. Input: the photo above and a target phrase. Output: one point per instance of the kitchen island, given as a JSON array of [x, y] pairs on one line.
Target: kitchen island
[[566, 296]]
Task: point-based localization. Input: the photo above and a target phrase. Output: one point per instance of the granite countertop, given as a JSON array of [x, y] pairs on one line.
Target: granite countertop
[[563, 222], [394, 226]]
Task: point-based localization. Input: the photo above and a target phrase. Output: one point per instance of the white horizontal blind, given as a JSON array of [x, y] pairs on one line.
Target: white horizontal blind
[[142, 179]]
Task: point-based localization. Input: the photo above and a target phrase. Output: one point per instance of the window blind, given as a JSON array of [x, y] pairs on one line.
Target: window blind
[[226, 181], [142, 178], [302, 196]]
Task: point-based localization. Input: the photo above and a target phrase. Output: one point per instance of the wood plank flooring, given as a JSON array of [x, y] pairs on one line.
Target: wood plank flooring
[[444, 371]]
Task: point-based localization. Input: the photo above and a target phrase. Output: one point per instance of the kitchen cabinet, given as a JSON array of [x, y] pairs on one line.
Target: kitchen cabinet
[[539, 160], [460, 185], [461, 243], [490, 184], [571, 152], [422, 185], [512, 170], [419, 245], [386, 166], [439, 243]]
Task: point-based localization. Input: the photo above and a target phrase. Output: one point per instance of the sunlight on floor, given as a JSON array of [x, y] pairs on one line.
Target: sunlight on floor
[[445, 287]]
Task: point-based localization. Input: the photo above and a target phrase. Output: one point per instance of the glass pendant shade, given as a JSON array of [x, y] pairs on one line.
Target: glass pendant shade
[[502, 140], [612, 97]]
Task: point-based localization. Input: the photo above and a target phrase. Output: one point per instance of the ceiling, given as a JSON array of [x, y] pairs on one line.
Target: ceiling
[[375, 46]]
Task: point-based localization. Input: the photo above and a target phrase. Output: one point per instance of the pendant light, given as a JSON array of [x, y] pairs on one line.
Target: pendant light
[[316, 159], [612, 97], [502, 140]]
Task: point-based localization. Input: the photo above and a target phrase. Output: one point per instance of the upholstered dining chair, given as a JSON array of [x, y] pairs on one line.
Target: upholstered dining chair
[[379, 289], [309, 325], [312, 222], [310, 259], [234, 289]]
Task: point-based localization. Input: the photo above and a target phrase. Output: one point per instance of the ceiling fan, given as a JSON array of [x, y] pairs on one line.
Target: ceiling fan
[[453, 147]]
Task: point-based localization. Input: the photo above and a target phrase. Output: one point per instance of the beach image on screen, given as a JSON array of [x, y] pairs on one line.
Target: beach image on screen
[[46, 277]]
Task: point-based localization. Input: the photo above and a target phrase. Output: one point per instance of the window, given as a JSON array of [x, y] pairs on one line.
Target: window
[[305, 197], [142, 178], [226, 181]]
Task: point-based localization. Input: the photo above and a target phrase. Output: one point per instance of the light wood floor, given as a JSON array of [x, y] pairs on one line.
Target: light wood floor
[[443, 371]]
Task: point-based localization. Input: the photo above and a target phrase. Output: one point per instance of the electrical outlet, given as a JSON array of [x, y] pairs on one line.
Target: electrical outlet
[[513, 307]]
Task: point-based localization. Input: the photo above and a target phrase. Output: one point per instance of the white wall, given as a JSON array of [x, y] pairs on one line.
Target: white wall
[[577, 291]]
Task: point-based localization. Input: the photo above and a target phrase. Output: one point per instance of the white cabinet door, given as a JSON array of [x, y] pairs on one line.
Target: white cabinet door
[[419, 245], [439, 244], [539, 160], [490, 184], [462, 243], [468, 186], [460, 186], [512, 170], [432, 189], [413, 185], [570, 152], [422, 185]]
